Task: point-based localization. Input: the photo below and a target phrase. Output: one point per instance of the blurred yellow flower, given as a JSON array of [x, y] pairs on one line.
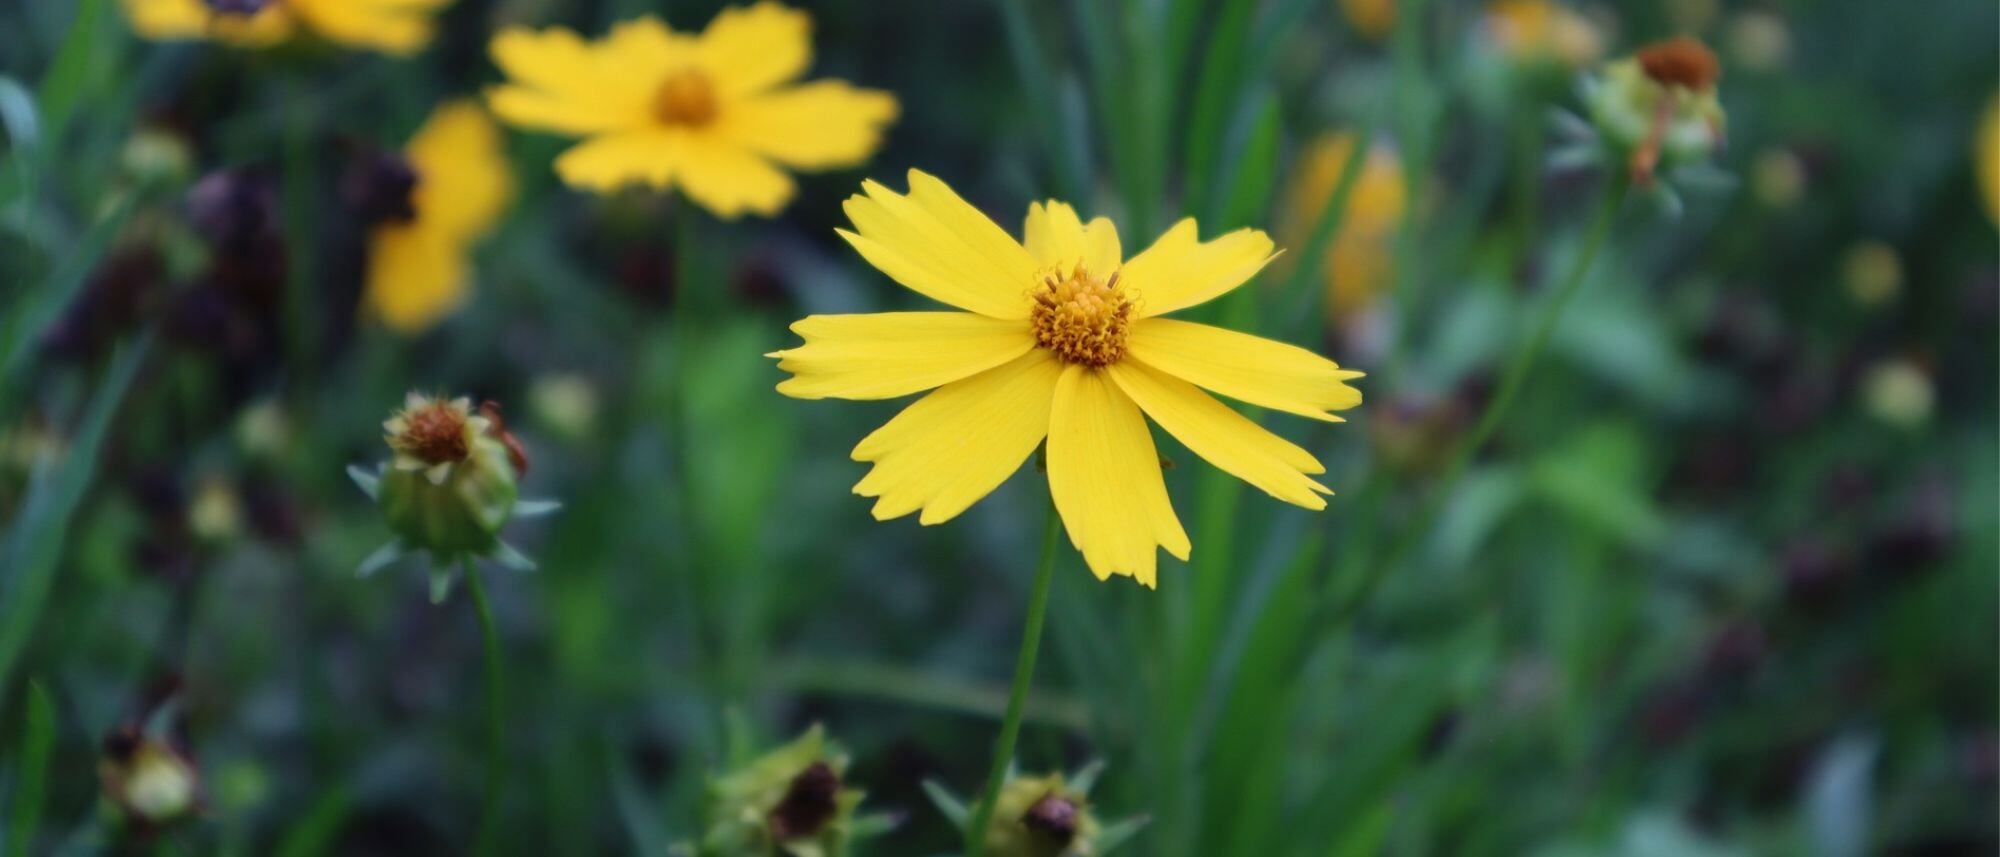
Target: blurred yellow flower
[[1986, 158], [1370, 18], [1542, 31], [1360, 266], [417, 255], [1064, 341], [714, 114], [391, 26]]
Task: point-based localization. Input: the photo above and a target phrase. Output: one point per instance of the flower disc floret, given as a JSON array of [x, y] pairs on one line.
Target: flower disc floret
[[1081, 318]]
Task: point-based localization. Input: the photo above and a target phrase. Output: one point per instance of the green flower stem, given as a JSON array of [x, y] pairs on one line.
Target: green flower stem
[[496, 716], [1017, 698], [1511, 382]]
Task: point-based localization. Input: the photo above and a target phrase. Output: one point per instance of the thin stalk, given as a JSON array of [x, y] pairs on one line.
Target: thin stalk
[[496, 716], [1017, 697], [1511, 382], [688, 307]]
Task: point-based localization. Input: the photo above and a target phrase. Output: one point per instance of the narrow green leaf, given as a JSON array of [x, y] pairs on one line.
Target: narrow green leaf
[[35, 542], [37, 742], [314, 832], [947, 803], [22, 325], [68, 79], [1254, 171]]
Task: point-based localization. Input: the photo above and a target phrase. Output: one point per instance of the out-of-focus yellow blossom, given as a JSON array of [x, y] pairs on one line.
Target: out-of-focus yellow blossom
[[391, 26], [1370, 18], [1659, 108], [715, 114], [418, 270], [1542, 31], [1360, 266], [1062, 340], [1759, 40], [1873, 273], [1898, 392], [1778, 178], [1986, 158]]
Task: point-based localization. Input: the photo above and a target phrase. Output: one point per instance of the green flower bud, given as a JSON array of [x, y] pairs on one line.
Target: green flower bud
[[451, 485], [1658, 109], [1041, 817], [791, 800]]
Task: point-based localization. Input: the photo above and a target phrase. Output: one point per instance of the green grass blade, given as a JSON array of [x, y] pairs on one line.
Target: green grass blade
[[23, 325], [1254, 172], [315, 832], [37, 742], [35, 541]]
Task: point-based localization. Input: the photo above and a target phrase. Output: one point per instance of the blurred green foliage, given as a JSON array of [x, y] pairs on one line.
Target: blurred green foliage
[[1722, 583]]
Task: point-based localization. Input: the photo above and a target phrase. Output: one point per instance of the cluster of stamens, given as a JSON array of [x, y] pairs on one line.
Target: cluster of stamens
[[1081, 318], [686, 98], [433, 433]]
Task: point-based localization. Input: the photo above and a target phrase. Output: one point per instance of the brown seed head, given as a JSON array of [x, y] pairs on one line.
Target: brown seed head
[[434, 433], [809, 803], [1081, 318], [1682, 62]]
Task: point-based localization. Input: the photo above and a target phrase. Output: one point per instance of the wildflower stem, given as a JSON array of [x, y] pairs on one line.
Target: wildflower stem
[[1511, 382], [496, 716], [1017, 697]]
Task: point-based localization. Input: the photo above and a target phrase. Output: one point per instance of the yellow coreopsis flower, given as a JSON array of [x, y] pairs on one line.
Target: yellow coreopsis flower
[[449, 186], [1542, 31], [715, 114], [1360, 266], [390, 26], [1370, 18], [1063, 339]]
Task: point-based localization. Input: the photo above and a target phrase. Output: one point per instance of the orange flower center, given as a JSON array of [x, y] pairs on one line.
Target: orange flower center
[[434, 434], [1081, 318], [686, 98]]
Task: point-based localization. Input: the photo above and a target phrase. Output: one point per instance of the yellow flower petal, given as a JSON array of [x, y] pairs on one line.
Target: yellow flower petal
[[608, 162], [391, 26], [1105, 477], [1244, 367], [818, 125], [749, 49], [561, 82], [1224, 437], [939, 246], [1180, 271], [729, 180], [885, 355], [193, 19], [1056, 237], [464, 181], [415, 277], [956, 445]]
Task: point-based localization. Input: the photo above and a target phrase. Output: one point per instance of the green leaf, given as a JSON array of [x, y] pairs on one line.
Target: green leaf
[[947, 803], [37, 743], [35, 541]]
